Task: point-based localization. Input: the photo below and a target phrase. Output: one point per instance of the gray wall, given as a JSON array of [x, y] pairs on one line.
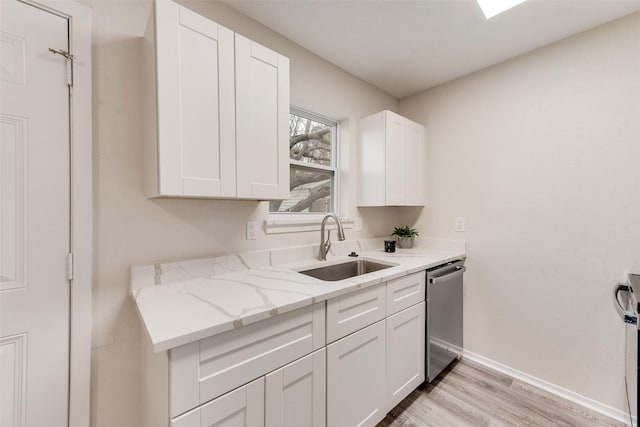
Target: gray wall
[[541, 155]]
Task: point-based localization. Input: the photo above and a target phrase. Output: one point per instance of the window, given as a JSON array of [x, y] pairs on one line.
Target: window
[[312, 165]]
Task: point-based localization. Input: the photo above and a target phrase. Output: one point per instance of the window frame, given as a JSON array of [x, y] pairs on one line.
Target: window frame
[[333, 168]]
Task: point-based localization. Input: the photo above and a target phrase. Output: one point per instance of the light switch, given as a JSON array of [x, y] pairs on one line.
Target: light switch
[[459, 223], [357, 224], [252, 230]]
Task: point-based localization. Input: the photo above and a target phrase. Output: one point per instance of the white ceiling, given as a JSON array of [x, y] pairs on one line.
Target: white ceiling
[[404, 47]]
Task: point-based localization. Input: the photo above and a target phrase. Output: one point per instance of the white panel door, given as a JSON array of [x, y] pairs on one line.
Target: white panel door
[[296, 393], [356, 378], [196, 111], [395, 150], [262, 121], [34, 230], [405, 353]]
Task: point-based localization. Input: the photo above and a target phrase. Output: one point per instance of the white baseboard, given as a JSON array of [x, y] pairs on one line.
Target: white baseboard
[[594, 405]]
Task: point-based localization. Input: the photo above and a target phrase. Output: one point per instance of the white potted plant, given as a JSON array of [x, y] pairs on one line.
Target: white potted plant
[[406, 236]]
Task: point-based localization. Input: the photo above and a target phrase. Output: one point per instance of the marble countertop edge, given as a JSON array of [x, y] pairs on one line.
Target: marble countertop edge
[[215, 304]]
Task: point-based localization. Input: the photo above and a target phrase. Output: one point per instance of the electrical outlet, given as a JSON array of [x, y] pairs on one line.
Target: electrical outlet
[[357, 224], [459, 223], [252, 230]]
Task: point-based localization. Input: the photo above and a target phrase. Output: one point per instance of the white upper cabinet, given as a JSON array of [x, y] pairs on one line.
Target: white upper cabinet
[[215, 104], [390, 161], [262, 117], [190, 131]]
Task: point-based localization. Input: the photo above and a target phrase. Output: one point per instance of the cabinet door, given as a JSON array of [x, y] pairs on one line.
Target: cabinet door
[[242, 407], [404, 165], [296, 393], [195, 104], [356, 378], [262, 121], [395, 156], [414, 163], [405, 353]]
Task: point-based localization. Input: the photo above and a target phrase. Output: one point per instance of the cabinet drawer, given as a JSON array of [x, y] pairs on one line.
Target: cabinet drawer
[[206, 369], [404, 292], [348, 313]]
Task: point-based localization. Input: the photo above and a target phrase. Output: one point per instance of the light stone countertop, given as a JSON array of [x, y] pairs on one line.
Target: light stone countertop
[[184, 301]]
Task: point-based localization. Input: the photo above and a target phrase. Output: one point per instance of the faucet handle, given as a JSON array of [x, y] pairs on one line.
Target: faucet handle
[[327, 244]]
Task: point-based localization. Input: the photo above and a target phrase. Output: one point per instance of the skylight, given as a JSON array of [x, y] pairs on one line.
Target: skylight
[[491, 8]]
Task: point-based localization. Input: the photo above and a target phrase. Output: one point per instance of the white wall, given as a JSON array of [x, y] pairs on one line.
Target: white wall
[[541, 155], [131, 229]]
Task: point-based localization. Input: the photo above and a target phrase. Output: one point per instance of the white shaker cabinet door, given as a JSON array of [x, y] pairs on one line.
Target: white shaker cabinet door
[[296, 393], [404, 161], [405, 353], [356, 378], [262, 121], [194, 146], [242, 407], [414, 175], [395, 155]]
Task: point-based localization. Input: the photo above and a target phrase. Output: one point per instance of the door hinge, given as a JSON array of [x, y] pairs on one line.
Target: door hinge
[[70, 71], [69, 56], [70, 266]]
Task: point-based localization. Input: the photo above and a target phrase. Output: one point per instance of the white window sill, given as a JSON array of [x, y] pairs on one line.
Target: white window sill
[[299, 224]]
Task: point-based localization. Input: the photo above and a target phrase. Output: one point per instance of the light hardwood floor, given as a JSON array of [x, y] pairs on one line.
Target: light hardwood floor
[[469, 394]]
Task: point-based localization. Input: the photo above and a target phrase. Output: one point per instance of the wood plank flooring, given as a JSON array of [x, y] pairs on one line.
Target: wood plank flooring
[[469, 394]]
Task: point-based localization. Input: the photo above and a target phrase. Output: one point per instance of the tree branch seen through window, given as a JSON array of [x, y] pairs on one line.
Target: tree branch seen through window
[[312, 172]]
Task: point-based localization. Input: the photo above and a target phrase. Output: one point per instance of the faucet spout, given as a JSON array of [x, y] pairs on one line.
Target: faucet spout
[[325, 246]]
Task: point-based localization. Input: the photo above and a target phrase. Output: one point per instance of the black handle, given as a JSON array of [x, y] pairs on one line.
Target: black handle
[[626, 316]]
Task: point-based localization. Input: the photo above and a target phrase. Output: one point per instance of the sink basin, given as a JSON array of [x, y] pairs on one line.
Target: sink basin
[[331, 273]]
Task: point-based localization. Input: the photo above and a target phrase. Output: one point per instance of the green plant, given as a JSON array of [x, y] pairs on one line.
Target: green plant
[[405, 231]]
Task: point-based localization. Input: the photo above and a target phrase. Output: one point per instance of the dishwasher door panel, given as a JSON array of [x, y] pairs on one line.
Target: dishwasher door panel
[[444, 318], [631, 376]]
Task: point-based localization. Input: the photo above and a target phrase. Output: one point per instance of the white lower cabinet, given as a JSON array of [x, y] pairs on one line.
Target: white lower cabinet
[[356, 379], [206, 369], [242, 407], [291, 396], [280, 372], [405, 353], [295, 394]]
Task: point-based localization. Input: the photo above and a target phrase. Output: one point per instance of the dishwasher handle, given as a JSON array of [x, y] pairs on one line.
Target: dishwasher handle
[[626, 316], [459, 272]]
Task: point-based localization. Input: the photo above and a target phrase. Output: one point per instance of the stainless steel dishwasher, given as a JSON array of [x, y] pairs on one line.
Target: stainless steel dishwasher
[[444, 317]]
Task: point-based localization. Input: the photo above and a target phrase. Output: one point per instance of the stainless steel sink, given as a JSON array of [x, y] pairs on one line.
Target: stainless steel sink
[[331, 273]]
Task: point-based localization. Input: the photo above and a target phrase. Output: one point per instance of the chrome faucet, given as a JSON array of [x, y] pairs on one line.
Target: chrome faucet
[[325, 246]]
